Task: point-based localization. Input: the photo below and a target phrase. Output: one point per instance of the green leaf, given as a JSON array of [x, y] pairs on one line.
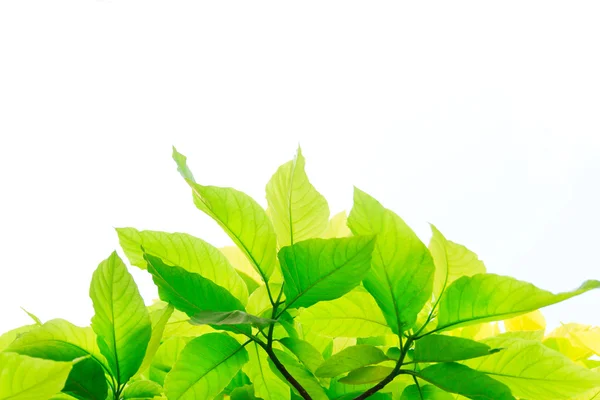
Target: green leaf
[[165, 358], [185, 251], [401, 277], [242, 218], [27, 378], [452, 261], [142, 390], [426, 392], [489, 297], [267, 385], [355, 314], [338, 227], [205, 367], [245, 392], [59, 340], [159, 320], [8, 337], [301, 374], [306, 353], [190, 292], [442, 348], [297, 209], [349, 359], [121, 320], [369, 374], [235, 317], [460, 379], [32, 316], [324, 269], [533, 371]]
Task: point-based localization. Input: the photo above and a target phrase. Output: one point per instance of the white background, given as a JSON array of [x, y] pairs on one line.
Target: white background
[[480, 117]]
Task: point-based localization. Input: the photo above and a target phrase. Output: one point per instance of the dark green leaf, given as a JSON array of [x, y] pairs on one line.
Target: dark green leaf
[[235, 317], [426, 392], [349, 359], [442, 348], [369, 374]]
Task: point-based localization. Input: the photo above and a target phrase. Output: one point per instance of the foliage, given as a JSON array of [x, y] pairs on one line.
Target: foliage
[[303, 306]]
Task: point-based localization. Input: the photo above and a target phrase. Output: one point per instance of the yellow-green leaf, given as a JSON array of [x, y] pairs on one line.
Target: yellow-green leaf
[[267, 384]]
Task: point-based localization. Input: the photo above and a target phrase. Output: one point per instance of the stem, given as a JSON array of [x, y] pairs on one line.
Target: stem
[[281, 368], [418, 386], [395, 372]]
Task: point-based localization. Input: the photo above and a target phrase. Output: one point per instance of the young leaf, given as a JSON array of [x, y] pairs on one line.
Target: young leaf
[[442, 348], [425, 392], [242, 218], [338, 227], [297, 209], [190, 292], [368, 374], [32, 316], [121, 320], [165, 358], [159, 320], [267, 385], [8, 337], [142, 390], [185, 251], [401, 277], [205, 367], [324, 269], [533, 321], [355, 314], [533, 371], [306, 353], [460, 379], [452, 261], [235, 317], [349, 359], [490, 297], [301, 374], [26, 378], [59, 340]]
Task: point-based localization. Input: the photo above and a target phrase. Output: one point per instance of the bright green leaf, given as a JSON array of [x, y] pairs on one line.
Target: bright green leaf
[[306, 353], [235, 317], [165, 358], [349, 359], [355, 314], [245, 392], [87, 380], [27, 378], [401, 277], [368, 374], [142, 390], [185, 251], [121, 321], [324, 269], [190, 292], [490, 297], [533, 371], [301, 374], [242, 218], [8, 337], [425, 392], [159, 320], [452, 261], [442, 348], [297, 209], [205, 367], [460, 379], [32, 316], [338, 227], [267, 385]]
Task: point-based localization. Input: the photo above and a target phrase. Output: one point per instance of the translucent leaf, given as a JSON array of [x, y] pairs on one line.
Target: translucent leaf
[[452, 261], [355, 314], [8, 337], [533, 371], [297, 209], [426, 392], [27, 378], [185, 251], [490, 297], [242, 218], [369, 374], [533, 321], [205, 367], [121, 321], [306, 353], [228, 318], [267, 385], [59, 340], [142, 390], [401, 277], [159, 320], [32, 316], [441, 348], [350, 359], [165, 358], [460, 379], [324, 269], [240, 262], [338, 227], [190, 292]]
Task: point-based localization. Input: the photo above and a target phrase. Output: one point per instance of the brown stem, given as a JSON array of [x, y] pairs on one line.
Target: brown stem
[[281, 368]]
